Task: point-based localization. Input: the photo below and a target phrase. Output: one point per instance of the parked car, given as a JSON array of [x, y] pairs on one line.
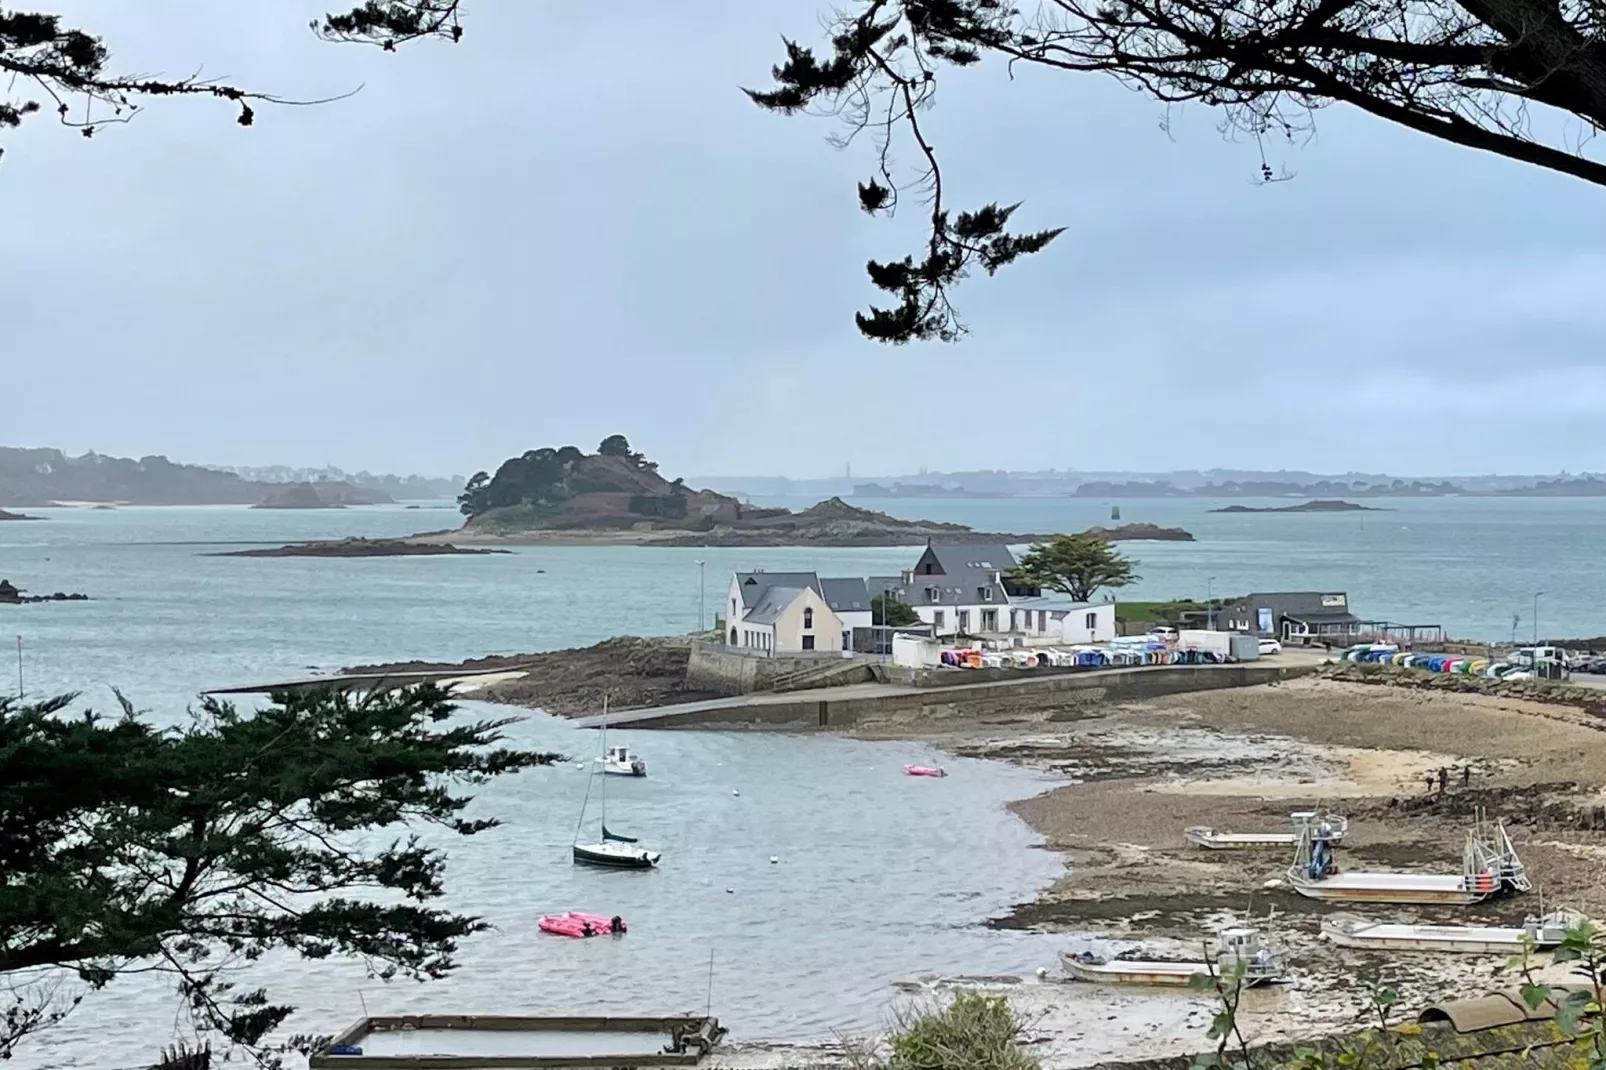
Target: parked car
[[1270, 646], [1165, 632]]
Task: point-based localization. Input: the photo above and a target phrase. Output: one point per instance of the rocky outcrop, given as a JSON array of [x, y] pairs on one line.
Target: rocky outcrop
[[324, 495], [17, 516], [12, 595], [1316, 505], [360, 547], [1141, 532]]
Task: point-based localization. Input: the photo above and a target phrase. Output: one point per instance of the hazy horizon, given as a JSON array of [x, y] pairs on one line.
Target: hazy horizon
[[508, 243]]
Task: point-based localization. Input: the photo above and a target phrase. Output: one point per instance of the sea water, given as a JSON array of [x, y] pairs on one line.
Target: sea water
[[879, 877]]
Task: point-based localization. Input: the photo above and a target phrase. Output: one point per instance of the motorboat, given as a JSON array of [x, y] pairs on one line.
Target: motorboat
[[1489, 868], [612, 851], [1236, 948], [1216, 840], [1546, 932], [618, 761]]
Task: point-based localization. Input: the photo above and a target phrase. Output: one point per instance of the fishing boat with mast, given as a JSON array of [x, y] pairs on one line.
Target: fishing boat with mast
[[1489, 867], [612, 851]]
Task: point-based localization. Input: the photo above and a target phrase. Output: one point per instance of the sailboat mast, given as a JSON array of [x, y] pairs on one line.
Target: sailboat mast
[[604, 765]]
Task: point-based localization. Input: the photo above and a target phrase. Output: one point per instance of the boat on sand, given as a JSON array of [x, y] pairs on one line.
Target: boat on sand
[[1235, 946], [579, 923], [1489, 868], [1204, 836], [1548, 931]]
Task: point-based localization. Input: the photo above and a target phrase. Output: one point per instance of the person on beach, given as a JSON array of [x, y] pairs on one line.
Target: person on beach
[[1444, 779], [1466, 774]]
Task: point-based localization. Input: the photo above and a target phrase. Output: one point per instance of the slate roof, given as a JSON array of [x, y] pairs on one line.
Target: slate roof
[[963, 571], [1052, 601], [846, 595], [772, 604], [1495, 1032], [753, 592]]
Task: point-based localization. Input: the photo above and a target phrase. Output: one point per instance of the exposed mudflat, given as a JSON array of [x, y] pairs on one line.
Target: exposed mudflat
[[1241, 761]]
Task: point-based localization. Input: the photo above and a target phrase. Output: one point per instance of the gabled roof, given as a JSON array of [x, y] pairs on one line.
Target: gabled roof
[[963, 571], [772, 604], [846, 595], [973, 556], [754, 584]]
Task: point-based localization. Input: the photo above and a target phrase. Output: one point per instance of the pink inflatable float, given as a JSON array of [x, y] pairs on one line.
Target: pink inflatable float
[[924, 770], [576, 923]]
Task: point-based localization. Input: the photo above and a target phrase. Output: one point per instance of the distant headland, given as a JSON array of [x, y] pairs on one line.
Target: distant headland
[[360, 547]]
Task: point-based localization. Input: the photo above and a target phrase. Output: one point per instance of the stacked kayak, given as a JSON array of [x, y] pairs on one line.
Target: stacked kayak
[[578, 923]]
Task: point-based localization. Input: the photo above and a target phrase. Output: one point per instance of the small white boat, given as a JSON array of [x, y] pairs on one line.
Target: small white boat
[[1204, 836], [618, 761], [1548, 931], [1235, 946]]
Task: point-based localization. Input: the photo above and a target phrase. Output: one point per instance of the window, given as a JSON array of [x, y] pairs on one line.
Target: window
[[934, 594], [986, 593], [1092, 621], [808, 642], [963, 617], [733, 607], [1014, 619], [847, 640], [936, 619], [808, 616], [989, 620]]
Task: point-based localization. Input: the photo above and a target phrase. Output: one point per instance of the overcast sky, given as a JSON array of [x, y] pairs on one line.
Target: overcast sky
[[573, 224]]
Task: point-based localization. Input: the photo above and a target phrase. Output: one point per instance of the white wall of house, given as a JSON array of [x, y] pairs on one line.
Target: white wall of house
[[754, 637], [946, 619], [916, 652], [808, 616], [1086, 624], [854, 618]]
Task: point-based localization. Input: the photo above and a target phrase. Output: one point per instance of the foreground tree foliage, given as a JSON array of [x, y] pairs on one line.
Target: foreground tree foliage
[[129, 848], [1078, 565], [1524, 79]]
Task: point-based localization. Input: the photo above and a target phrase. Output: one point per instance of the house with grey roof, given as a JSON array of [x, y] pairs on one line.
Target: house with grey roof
[[792, 612]]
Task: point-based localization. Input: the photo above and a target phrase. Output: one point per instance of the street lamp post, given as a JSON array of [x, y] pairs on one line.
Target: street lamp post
[[1536, 616], [1210, 606], [701, 605]]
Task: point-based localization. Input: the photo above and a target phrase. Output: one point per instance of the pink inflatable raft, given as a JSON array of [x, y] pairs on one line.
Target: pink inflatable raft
[[576, 923], [924, 770]]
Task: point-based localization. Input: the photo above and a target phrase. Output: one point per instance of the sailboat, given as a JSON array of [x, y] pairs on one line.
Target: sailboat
[[613, 850]]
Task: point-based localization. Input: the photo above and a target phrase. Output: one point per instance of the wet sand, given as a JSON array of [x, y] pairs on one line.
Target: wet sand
[[1242, 760]]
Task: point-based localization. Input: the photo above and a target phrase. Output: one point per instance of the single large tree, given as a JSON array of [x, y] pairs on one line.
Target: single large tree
[[1077, 565], [190, 850]]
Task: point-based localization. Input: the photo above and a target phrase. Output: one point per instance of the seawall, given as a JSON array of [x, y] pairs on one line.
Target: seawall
[[845, 706]]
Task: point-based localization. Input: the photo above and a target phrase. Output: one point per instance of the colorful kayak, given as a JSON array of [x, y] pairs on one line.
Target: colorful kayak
[[577, 923], [924, 770]]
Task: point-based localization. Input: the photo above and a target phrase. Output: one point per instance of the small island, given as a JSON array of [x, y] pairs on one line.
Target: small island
[[13, 596], [1140, 533], [616, 496], [328, 494], [17, 516], [361, 547], [1317, 505]]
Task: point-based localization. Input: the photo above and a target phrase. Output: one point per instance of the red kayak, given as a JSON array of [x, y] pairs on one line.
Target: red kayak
[[925, 770], [577, 923]]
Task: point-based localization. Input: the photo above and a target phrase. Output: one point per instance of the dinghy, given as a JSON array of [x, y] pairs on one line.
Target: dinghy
[[1238, 945], [925, 770]]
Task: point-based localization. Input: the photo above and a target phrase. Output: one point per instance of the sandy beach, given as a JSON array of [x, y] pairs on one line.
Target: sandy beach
[[1241, 760]]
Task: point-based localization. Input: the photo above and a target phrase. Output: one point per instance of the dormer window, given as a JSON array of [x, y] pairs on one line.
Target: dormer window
[[986, 593]]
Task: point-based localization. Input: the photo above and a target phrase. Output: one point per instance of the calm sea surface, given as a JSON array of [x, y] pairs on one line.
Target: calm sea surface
[[880, 877]]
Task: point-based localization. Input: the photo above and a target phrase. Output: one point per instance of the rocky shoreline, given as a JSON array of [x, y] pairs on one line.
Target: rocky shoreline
[[13, 596], [17, 516], [630, 671], [357, 546]]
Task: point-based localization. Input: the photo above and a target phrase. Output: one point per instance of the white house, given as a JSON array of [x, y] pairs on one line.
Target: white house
[[792, 612], [962, 589]]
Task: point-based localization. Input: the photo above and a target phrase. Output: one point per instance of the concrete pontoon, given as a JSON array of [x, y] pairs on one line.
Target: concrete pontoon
[[476, 1041]]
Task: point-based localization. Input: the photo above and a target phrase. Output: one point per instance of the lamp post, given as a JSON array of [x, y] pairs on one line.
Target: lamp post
[[1210, 606], [1536, 616], [701, 617]]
